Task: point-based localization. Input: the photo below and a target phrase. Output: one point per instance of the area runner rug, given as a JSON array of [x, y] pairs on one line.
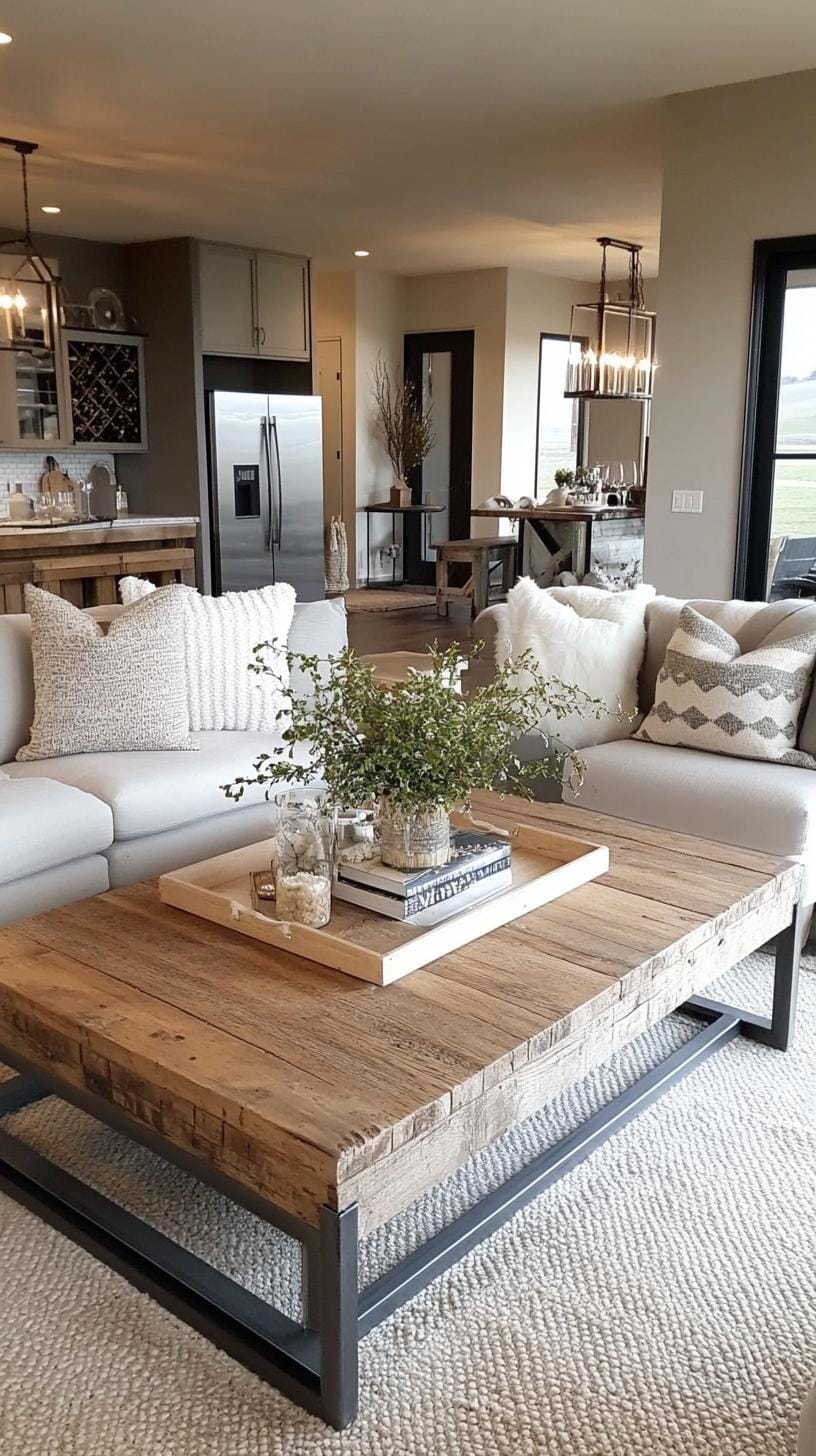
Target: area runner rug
[[658, 1301], [371, 599]]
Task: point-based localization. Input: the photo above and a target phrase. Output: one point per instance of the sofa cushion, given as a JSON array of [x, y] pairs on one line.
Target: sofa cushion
[[151, 792], [115, 692], [220, 637], [765, 806], [712, 697], [753, 624], [45, 824], [593, 640], [17, 683]]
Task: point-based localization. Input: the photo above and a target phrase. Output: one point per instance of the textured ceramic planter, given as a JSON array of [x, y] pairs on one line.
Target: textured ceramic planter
[[415, 839]]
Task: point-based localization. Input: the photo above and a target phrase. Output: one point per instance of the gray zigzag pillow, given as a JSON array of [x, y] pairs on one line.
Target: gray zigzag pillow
[[709, 696]]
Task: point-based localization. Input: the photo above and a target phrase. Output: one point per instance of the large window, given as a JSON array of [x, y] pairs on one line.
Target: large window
[[777, 547], [560, 433]]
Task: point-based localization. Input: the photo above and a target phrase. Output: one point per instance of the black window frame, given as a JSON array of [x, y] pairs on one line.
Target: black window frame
[[774, 258], [582, 416]]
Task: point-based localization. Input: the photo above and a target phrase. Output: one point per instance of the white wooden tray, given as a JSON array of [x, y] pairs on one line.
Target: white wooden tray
[[370, 946]]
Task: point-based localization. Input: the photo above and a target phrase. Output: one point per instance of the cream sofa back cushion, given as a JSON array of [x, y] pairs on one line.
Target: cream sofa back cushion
[[107, 693]]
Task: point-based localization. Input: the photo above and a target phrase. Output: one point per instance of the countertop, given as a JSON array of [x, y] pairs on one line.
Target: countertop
[[13, 528]]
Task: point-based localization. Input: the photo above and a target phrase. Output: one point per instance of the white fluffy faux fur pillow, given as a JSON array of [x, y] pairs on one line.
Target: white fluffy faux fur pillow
[[593, 639], [219, 636]]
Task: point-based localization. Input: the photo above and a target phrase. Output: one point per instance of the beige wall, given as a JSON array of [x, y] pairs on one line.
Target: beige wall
[[380, 312], [740, 164], [536, 304], [475, 300], [365, 311], [334, 306]]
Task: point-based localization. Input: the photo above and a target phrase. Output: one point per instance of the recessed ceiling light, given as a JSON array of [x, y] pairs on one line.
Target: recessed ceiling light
[[50, 209], [361, 253], [5, 38]]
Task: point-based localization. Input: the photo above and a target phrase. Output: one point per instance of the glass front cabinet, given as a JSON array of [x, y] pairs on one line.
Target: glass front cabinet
[[90, 392]]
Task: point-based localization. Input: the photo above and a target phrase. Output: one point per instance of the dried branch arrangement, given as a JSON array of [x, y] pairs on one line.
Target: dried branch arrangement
[[403, 424]]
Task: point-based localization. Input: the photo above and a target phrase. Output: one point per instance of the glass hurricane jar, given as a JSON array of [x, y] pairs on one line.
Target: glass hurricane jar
[[414, 839], [304, 846]]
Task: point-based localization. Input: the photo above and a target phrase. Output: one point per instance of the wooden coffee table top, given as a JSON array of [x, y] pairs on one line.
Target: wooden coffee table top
[[312, 1087]]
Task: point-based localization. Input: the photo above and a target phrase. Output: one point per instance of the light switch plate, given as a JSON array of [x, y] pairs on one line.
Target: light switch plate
[[687, 501]]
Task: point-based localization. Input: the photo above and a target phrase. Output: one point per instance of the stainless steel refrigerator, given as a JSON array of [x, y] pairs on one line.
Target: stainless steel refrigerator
[[267, 468]]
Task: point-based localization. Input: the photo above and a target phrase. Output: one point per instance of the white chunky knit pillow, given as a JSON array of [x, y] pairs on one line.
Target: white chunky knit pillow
[[219, 635]]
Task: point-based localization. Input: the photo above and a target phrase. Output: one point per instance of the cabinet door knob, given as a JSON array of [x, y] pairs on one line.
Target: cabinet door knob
[[262, 335]]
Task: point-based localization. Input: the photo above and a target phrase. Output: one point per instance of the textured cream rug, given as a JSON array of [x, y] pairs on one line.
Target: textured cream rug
[[658, 1301]]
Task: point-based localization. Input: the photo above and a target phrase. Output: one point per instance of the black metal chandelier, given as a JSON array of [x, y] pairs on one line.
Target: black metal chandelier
[[612, 345], [30, 292]]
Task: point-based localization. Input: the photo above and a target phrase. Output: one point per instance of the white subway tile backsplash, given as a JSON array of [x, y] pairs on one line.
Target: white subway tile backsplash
[[24, 467]]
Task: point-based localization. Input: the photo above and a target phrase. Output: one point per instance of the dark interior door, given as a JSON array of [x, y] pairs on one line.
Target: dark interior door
[[440, 367]]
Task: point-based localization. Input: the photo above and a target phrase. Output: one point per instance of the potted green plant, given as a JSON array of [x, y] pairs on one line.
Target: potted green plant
[[403, 424], [416, 751]]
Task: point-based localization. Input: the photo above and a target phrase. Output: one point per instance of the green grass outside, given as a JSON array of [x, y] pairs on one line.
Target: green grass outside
[[794, 507]]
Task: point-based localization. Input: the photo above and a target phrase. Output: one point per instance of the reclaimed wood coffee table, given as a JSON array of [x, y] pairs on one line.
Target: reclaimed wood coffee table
[[327, 1105]]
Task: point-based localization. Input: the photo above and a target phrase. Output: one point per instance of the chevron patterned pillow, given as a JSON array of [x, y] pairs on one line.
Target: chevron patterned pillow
[[747, 705]]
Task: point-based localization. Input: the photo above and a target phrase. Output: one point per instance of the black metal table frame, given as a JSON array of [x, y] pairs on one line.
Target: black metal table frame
[[424, 512], [314, 1361]]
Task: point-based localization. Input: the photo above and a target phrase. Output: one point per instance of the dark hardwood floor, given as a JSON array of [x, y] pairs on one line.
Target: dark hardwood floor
[[411, 631]]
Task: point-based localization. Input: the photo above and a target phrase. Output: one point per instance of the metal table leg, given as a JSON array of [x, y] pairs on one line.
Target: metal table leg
[[777, 1030]]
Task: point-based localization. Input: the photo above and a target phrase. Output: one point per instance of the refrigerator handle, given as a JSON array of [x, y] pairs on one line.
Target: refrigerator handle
[[273, 425], [268, 536]]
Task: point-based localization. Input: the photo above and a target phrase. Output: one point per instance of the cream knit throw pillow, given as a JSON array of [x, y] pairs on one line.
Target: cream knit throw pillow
[[114, 693], [220, 634]]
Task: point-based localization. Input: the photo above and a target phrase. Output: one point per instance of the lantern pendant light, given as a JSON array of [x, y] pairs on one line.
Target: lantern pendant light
[[612, 345], [30, 304]]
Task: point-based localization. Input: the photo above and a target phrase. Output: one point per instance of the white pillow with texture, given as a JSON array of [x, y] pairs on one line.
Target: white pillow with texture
[[589, 638], [119, 692], [220, 634]]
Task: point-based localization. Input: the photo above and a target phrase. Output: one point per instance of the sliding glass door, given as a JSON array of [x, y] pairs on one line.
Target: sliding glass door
[[777, 548]]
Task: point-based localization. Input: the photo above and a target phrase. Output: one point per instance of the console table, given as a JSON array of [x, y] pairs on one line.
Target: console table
[[385, 508]]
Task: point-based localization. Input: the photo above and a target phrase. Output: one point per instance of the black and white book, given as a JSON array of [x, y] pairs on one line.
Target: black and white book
[[425, 911], [471, 853]]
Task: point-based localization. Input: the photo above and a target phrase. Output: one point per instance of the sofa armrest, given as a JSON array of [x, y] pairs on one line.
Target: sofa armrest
[[485, 630]]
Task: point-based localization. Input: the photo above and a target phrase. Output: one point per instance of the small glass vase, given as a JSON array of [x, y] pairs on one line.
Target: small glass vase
[[304, 850], [415, 839]]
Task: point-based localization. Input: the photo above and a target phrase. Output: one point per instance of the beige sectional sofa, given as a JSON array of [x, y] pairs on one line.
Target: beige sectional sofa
[[764, 806], [72, 827]]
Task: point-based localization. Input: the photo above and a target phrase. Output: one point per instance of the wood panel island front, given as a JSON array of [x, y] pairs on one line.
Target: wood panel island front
[[84, 562]]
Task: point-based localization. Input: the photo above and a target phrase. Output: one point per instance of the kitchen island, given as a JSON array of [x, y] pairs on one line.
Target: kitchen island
[[83, 561]]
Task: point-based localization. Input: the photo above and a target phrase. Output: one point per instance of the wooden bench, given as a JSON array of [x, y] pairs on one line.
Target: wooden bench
[[480, 553]]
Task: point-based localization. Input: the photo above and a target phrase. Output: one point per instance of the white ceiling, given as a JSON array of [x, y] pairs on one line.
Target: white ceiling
[[438, 133]]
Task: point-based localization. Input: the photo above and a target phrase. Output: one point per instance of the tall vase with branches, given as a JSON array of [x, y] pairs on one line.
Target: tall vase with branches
[[403, 424]]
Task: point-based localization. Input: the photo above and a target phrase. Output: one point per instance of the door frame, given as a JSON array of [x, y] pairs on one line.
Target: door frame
[[773, 258], [461, 344]]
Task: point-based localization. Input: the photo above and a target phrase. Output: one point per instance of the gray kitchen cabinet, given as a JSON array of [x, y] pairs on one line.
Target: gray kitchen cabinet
[[282, 299], [253, 303], [227, 282]]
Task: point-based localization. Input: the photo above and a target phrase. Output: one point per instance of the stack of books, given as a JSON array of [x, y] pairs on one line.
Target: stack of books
[[479, 867]]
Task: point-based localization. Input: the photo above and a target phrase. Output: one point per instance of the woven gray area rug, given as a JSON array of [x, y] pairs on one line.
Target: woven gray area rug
[[659, 1301]]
